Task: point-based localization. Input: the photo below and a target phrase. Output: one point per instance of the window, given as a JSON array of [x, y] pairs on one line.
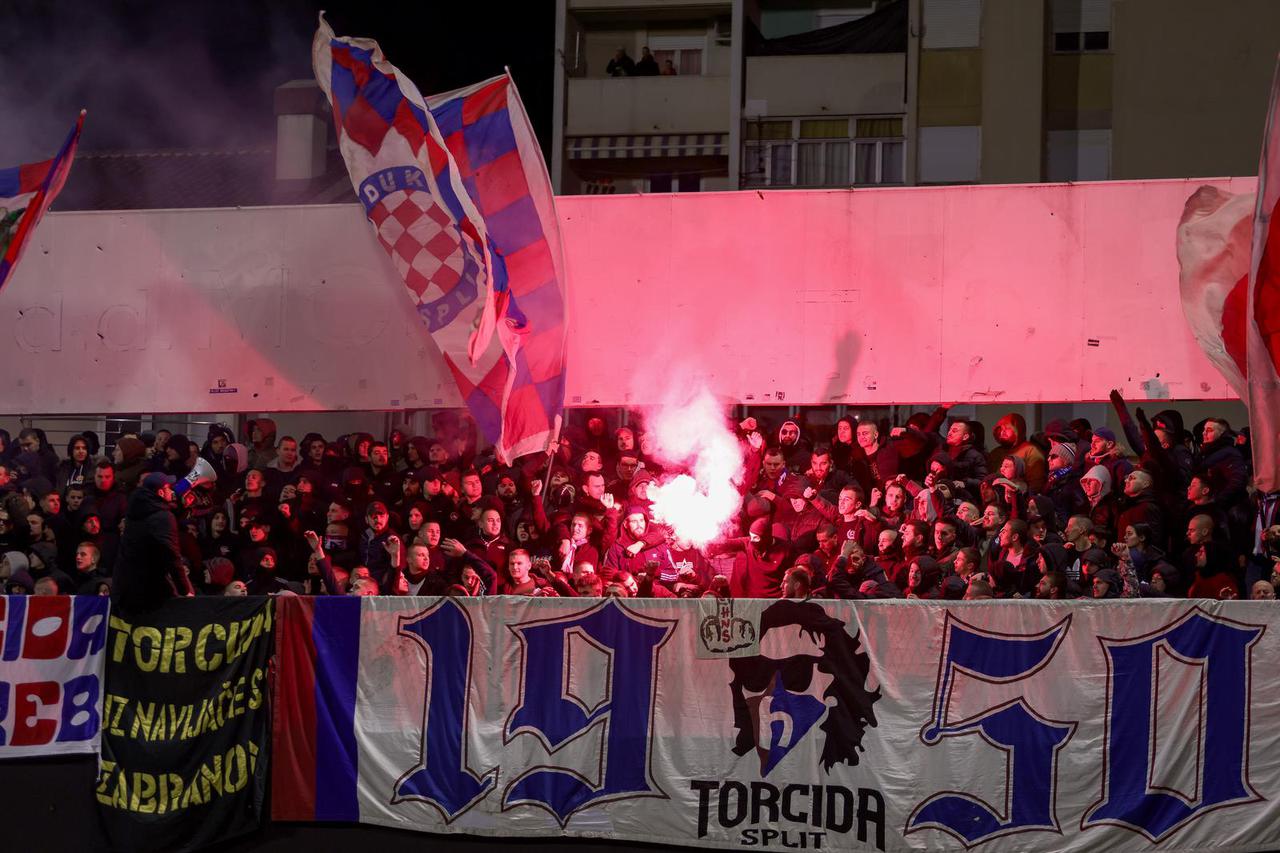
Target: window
[[674, 183], [1087, 42], [1081, 26], [824, 152], [684, 53]]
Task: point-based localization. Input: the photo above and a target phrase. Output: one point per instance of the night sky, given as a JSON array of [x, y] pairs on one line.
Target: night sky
[[157, 75]]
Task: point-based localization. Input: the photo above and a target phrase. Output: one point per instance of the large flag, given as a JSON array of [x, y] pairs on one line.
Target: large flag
[[1263, 304], [493, 145], [1214, 238], [26, 192], [459, 198]]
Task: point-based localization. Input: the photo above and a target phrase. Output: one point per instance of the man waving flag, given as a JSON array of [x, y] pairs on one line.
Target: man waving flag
[[26, 192], [458, 195]]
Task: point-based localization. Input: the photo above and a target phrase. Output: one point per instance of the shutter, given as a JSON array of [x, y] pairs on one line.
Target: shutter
[[950, 154], [952, 23]]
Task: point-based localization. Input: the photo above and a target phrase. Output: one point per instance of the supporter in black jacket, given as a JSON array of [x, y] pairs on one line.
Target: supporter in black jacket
[[149, 568]]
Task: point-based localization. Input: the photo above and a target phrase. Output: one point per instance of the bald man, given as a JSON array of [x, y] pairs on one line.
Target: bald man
[[1139, 506], [1207, 564]]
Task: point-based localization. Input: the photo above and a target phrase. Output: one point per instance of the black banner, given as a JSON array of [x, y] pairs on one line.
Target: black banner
[[185, 724]]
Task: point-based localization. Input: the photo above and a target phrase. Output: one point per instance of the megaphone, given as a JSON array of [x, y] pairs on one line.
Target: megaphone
[[202, 473]]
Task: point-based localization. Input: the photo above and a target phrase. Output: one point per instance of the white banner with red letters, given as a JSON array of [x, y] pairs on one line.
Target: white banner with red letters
[[51, 665], [1134, 725]]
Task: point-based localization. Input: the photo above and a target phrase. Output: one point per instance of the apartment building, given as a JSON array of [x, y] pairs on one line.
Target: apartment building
[[840, 93]]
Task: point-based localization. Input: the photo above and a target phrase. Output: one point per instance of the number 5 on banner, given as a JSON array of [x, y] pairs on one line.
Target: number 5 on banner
[[1030, 741]]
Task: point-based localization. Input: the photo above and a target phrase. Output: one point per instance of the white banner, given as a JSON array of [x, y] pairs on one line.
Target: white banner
[[51, 664], [888, 725]]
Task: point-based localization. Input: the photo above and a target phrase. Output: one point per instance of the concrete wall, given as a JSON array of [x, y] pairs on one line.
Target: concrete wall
[[1036, 293], [1012, 133], [1191, 85], [647, 105], [850, 84]]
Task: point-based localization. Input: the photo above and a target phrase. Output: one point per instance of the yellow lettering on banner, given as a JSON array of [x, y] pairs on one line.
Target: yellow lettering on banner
[[237, 764], [106, 772], [112, 706], [120, 797], [152, 659], [204, 662], [144, 793], [122, 629], [211, 777], [173, 800], [233, 635], [253, 756], [143, 718], [176, 640], [255, 688], [161, 729]]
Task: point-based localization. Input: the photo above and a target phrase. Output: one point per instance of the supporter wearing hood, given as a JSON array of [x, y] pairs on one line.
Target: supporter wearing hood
[[1107, 584], [795, 447], [416, 453], [1166, 582], [78, 466], [216, 442], [923, 578], [1171, 435], [262, 442], [1102, 509], [795, 511], [264, 580], [177, 457], [130, 460], [1054, 558], [761, 559], [1011, 440]]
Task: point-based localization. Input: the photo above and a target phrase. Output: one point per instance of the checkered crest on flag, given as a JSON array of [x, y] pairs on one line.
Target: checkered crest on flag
[[467, 219]]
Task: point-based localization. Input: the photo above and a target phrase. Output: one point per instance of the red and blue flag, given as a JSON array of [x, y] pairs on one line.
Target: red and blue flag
[[26, 192], [459, 197]]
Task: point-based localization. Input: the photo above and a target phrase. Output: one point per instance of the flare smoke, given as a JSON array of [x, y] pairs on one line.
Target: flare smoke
[[691, 433]]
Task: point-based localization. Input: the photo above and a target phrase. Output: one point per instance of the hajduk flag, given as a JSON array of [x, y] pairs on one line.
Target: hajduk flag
[[26, 192], [458, 195]]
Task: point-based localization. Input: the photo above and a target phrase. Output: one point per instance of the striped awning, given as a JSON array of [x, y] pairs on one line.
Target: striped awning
[[633, 147]]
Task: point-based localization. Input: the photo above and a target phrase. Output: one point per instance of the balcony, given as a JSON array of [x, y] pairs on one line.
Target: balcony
[[647, 105]]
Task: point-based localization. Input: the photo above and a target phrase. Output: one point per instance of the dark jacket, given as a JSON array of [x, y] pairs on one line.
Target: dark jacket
[[149, 565]]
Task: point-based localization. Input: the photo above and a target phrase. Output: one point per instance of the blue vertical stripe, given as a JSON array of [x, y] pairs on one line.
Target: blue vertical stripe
[[336, 632]]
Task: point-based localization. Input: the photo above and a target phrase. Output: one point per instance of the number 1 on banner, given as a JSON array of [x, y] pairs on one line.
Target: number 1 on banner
[[443, 778], [1030, 741]]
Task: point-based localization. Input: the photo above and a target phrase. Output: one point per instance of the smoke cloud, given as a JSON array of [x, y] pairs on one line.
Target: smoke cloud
[[690, 432]]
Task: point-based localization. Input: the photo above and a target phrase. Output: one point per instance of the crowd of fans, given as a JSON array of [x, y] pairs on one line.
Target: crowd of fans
[[863, 510]]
